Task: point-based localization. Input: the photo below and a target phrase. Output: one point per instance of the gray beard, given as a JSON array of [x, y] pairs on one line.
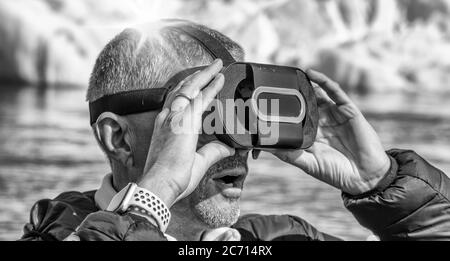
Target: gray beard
[[215, 216], [203, 205]]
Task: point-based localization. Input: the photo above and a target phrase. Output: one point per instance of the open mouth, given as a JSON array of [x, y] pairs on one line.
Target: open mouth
[[230, 178], [227, 179]]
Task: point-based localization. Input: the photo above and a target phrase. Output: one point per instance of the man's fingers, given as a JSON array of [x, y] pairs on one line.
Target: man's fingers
[[211, 153], [192, 86], [330, 87], [235, 236], [178, 103], [195, 84], [221, 234], [208, 155], [204, 99], [171, 95], [161, 118], [322, 98], [302, 159], [230, 235]]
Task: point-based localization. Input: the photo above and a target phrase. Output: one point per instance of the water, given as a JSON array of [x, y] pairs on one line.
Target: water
[[46, 147]]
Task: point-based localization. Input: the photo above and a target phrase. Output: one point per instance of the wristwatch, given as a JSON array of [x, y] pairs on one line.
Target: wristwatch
[[133, 198]]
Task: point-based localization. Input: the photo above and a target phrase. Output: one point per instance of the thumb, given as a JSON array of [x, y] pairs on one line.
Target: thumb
[[288, 156], [206, 156], [299, 158], [210, 154], [222, 234]]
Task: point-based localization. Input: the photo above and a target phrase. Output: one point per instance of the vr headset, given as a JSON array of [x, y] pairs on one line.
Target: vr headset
[[278, 106]]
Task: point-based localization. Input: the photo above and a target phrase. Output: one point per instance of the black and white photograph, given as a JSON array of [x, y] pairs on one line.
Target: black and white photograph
[[225, 120]]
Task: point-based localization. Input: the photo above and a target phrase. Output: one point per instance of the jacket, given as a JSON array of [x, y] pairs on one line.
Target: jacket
[[410, 203]]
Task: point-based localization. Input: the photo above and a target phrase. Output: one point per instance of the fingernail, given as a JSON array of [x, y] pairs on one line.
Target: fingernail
[[218, 60]]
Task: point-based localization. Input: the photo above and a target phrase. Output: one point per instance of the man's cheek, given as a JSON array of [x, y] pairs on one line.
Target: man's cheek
[[207, 189], [141, 154], [210, 187]]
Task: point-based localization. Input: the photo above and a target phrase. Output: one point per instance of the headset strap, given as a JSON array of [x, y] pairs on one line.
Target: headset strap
[[211, 44], [131, 102]]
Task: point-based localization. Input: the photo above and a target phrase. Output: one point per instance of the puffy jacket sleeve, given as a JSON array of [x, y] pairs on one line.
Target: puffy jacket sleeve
[[108, 226], [411, 203], [54, 220], [74, 216]]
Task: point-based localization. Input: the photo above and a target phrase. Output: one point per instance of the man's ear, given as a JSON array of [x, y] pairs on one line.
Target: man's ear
[[113, 134]]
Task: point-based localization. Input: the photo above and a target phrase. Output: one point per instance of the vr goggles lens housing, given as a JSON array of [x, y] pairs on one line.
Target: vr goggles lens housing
[[274, 107]]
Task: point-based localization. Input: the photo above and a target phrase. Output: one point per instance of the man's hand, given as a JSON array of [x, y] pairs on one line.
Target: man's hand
[[347, 153], [174, 168], [222, 234]]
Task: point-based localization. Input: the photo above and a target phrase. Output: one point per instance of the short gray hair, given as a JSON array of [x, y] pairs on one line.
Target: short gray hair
[[146, 57]]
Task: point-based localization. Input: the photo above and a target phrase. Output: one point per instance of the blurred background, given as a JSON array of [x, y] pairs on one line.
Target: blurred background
[[392, 56]]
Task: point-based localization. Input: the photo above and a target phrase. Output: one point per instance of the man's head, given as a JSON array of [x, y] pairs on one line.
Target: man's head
[[147, 57]]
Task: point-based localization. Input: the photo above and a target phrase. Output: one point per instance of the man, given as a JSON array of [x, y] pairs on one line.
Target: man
[[397, 195]]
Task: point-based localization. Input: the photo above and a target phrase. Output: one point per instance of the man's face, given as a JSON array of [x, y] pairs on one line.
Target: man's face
[[216, 200]]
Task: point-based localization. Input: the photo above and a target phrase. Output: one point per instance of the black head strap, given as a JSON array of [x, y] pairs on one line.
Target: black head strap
[[131, 102], [209, 43]]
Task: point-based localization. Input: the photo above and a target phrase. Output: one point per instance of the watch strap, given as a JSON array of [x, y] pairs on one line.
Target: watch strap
[[144, 202]]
